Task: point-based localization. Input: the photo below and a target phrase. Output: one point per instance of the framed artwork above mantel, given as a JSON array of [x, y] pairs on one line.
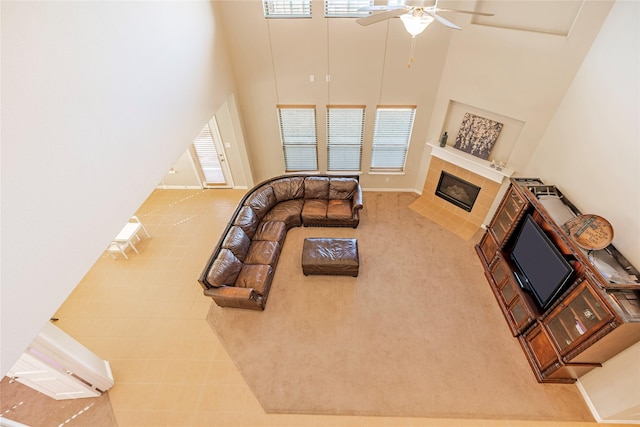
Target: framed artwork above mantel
[[509, 134]]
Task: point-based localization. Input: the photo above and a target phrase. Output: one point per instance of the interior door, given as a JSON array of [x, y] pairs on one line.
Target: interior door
[[209, 155], [56, 384]]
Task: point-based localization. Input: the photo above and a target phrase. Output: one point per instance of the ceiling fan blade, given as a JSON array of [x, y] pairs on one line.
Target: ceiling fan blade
[[441, 20], [372, 19], [367, 8], [470, 12]]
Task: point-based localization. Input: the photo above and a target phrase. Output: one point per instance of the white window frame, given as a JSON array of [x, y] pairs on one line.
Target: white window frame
[[346, 8], [391, 138], [299, 137], [286, 8], [345, 135]]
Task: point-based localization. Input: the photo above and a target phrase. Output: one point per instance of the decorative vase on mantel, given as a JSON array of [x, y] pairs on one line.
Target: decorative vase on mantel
[[443, 139]]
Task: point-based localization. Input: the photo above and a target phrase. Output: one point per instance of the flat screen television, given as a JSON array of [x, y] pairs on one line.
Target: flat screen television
[[541, 268]]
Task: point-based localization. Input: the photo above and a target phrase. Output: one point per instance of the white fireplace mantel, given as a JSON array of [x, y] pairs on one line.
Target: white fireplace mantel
[[470, 162]]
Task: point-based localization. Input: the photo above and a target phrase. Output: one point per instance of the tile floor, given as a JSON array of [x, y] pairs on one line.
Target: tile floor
[[146, 316]]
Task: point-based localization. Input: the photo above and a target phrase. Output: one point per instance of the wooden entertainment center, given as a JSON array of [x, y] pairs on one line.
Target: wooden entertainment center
[[596, 315]]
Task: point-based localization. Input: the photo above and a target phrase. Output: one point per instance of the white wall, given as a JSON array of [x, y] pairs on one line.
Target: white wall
[[613, 391], [183, 174], [230, 127], [521, 75], [591, 149], [99, 100], [273, 59]]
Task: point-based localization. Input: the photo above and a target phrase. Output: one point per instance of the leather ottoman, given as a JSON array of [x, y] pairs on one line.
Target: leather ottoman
[[330, 256]]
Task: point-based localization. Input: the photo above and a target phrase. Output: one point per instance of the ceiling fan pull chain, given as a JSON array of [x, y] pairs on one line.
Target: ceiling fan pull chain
[[413, 48]]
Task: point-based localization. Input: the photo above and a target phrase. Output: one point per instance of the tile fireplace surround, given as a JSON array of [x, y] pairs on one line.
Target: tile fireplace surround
[[469, 168]]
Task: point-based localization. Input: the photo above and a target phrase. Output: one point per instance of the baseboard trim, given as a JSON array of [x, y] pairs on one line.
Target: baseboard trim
[[392, 190], [178, 187]]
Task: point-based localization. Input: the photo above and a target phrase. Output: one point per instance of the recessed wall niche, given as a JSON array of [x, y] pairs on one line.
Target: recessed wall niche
[[506, 140]]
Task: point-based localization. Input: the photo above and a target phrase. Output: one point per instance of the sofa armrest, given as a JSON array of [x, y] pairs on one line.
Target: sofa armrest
[[230, 296], [356, 203]]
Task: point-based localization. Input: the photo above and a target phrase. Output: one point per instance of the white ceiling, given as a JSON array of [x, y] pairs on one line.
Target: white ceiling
[[543, 16]]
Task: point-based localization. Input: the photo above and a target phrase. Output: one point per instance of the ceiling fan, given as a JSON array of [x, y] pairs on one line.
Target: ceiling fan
[[416, 15]]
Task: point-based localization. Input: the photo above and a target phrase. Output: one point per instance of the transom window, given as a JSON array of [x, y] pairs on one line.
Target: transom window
[[287, 8], [346, 8], [391, 136], [299, 139], [345, 125]]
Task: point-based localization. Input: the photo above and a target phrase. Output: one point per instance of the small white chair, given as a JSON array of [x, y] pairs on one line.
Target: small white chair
[[125, 239], [118, 247], [136, 219]]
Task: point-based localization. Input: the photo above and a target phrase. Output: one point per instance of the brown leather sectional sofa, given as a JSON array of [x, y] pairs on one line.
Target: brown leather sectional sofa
[[241, 268]]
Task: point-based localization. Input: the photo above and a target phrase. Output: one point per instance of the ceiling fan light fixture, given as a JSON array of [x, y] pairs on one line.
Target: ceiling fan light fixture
[[415, 24]]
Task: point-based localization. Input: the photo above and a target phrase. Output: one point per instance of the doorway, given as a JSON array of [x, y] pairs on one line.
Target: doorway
[[209, 155]]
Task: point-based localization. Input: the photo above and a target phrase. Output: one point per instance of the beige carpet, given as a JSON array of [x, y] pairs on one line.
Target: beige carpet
[[32, 408], [417, 334]]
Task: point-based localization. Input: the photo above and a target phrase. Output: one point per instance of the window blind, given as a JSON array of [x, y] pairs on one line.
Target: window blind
[[287, 8], [299, 139], [344, 138], [391, 136], [207, 157], [346, 8]]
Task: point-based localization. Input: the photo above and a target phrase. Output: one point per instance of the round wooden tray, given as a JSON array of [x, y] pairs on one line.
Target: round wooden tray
[[591, 232]]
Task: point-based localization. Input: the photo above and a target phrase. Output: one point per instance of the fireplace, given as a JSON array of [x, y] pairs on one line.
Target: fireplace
[[457, 191], [440, 208]]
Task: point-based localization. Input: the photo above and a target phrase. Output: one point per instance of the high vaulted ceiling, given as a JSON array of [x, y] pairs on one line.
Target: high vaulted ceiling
[[517, 64]]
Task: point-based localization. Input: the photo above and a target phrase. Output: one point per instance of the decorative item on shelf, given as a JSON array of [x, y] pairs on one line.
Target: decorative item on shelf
[[497, 165], [591, 232], [443, 139], [477, 135]]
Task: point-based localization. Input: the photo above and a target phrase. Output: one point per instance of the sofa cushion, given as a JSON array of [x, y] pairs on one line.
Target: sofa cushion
[[225, 269], [288, 188], [316, 187], [257, 277], [261, 201], [287, 212], [247, 220], [339, 209], [237, 242], [263, 252], [342, 188], [314, 209], [274, 231]]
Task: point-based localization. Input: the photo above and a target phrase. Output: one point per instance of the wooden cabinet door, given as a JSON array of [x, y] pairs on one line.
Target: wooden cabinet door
[[519, 312], [580, 315], [541, 348], [488, 248], [507, 215]]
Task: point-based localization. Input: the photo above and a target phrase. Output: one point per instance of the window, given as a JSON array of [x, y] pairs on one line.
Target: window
[[287, 8], [299, 140], [345, 126], [346, 8], [207, 157], [391, 136]]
